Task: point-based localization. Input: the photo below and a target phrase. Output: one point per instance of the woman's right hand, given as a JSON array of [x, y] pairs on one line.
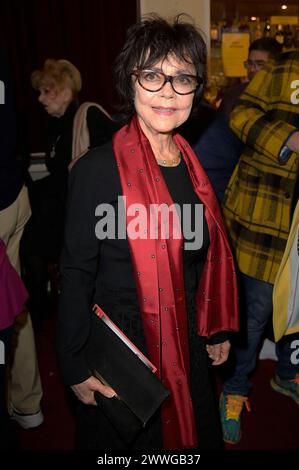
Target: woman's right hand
[[85, 390]]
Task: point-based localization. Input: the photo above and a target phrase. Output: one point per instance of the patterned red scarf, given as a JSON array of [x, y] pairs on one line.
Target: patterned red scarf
[[158, 268]]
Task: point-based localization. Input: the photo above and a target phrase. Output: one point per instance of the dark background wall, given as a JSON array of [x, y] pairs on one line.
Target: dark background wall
[[89, 33]]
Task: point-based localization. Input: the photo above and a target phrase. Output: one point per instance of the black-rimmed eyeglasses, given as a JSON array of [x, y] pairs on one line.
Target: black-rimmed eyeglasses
[[182, 84]]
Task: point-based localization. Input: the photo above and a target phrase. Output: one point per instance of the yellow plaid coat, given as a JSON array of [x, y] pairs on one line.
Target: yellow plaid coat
[[258, 198]]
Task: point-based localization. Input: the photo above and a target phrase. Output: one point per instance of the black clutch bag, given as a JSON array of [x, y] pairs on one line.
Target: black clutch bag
[[116, 361]]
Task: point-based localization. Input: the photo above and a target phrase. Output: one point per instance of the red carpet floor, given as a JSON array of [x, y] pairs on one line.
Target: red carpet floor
[[273, 423]]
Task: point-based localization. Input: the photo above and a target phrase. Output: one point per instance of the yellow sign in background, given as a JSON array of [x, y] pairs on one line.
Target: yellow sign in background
[[234, 53], [284, 20]]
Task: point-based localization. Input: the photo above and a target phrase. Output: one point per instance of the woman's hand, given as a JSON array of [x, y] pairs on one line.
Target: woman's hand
[[218, 352], [85, 390]]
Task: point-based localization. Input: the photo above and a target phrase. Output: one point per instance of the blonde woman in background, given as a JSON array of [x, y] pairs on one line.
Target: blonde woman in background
[[58, 84]]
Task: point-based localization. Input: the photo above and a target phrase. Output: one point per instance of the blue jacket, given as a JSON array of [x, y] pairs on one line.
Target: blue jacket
[[218, 150]]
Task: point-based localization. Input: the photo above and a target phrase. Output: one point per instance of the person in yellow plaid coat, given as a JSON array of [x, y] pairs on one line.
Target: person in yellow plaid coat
[[258, 206]]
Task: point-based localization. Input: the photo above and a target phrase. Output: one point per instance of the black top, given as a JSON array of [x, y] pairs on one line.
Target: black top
[[44, 232], [59, 148], [182, 193], [117, 251], [59, 145], [101, 271]]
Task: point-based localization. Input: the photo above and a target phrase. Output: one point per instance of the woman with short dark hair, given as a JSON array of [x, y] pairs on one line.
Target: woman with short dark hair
[[168, 283]]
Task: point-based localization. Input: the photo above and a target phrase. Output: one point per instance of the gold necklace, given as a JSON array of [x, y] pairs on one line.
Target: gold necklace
[[172, 162]]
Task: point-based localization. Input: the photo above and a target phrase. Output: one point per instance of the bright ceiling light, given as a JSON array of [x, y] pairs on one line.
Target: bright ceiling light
[[284, 7]]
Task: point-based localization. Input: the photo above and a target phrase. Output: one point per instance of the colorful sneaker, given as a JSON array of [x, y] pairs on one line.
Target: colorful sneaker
[[230, 411], [287, 387]]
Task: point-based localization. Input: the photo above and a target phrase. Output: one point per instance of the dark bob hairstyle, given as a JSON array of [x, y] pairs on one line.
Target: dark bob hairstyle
[[151, 41]]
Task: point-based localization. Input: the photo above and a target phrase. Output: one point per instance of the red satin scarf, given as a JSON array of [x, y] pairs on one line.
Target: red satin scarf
[[158, 268]]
